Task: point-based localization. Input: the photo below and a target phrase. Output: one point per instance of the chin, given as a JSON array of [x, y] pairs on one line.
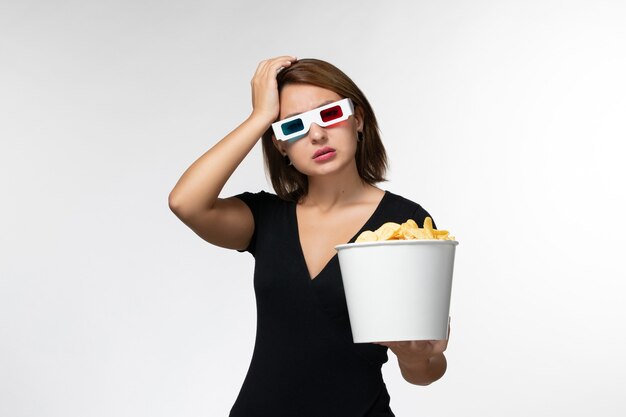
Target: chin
[[334, 167]]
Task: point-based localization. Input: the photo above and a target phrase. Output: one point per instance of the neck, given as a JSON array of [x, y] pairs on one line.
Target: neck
[[328, 191]]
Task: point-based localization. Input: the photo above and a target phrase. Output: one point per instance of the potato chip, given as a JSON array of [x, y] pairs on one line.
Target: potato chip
[[367, 236], [408, 230], [388, 231], [428, 228], [440, 234]]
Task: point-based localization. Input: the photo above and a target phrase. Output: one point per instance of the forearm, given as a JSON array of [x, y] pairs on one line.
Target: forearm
[[200, 185], [424, 371]]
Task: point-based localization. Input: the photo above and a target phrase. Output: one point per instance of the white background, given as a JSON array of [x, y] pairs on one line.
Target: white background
[[504, 119]]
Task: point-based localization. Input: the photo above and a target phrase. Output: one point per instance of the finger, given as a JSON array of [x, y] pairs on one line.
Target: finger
[[261, 68], [278, 67], [283, 58], [264, 80], [440, 346], [265, 66], [279, 64], [421, 346]]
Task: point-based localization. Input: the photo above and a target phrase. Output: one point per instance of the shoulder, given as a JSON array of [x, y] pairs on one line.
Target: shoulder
[[259, 197], [403, 202], [406, 208], [262, 203]]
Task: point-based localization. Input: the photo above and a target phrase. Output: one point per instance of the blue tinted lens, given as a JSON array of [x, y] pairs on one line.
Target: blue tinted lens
[[292, 127]]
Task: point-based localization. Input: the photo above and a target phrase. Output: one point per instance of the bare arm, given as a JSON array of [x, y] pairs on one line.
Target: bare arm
[[195, 198]]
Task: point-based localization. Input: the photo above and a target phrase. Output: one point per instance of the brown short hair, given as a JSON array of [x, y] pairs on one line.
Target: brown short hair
[[371, 158]]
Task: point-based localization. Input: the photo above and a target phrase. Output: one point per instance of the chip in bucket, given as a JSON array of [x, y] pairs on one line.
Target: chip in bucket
[[398, 281]]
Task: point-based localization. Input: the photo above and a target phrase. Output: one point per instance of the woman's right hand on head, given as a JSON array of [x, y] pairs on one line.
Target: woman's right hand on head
[[265, 101]]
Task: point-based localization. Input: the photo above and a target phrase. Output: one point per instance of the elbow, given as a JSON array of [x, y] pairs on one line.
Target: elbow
[[174, 204], [427, 376], [424, 382], [184, 209]]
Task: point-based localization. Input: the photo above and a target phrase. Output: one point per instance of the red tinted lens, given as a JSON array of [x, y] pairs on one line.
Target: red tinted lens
[[331, 113]]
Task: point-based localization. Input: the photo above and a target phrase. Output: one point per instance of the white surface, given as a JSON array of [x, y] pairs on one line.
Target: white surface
[[398, 290], [504, 119]]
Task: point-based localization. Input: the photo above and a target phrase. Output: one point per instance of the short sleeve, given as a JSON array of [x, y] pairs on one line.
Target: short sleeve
[[419, 215], [252, 200]]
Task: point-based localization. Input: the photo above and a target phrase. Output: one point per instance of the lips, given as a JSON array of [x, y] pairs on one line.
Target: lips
[[322, 151]]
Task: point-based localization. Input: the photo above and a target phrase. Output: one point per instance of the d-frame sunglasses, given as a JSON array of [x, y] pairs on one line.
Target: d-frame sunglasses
[[296, 127]]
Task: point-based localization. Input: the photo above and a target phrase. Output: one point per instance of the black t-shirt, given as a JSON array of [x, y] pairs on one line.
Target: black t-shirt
[[304, 362]]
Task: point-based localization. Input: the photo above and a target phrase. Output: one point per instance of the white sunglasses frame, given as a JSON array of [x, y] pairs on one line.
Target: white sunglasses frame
[[313, 116]]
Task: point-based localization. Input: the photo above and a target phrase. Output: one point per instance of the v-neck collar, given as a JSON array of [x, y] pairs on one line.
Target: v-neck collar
[[366, 225]]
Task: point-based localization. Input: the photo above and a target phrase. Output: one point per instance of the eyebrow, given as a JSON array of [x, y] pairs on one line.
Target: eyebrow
[[317, 107]]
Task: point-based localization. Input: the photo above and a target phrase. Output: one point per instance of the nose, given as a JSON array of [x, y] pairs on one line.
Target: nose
[[317, 133]]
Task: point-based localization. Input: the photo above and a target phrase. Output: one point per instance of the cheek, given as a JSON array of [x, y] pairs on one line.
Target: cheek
[[341, 125], [293, 148]]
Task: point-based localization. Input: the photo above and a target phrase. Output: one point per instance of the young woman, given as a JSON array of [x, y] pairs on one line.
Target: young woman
[[324, 157]]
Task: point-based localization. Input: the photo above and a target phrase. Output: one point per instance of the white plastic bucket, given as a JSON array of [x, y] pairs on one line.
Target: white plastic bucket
[[399, 289]]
